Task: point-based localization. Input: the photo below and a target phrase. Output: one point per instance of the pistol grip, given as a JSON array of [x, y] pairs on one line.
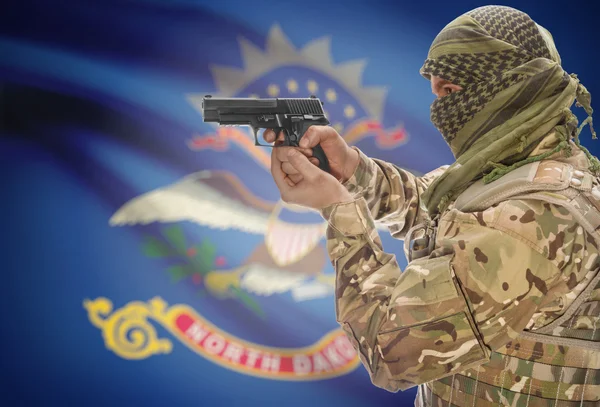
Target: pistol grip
[[319, 154]]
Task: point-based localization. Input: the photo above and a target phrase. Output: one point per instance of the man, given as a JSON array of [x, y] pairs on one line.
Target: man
[[500, 301]]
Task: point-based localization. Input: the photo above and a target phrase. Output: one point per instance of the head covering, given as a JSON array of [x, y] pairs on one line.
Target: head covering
[[515, 93]]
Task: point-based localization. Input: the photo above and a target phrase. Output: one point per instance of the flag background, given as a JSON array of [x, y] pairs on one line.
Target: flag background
[[95, 112]]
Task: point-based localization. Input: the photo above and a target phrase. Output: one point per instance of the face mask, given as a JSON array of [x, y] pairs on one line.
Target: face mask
[[451, 113]]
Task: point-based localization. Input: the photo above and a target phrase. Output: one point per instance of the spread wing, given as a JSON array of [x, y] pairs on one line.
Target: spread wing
[[215, 199], [265, 281]]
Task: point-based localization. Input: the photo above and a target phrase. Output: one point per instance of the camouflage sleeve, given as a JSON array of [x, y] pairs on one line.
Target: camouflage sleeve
[[392, 194], [446, 312]]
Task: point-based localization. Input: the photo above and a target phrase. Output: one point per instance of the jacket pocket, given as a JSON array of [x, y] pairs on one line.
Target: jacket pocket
[[429, 332]]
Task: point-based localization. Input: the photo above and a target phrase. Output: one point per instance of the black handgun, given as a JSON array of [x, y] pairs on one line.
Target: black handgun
[[292, 116]]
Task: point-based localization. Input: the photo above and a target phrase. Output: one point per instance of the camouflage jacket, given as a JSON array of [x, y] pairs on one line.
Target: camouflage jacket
[[493, 274]]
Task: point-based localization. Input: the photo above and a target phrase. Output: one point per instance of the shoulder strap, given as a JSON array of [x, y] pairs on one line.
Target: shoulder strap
[[537, 176], [550, 181]]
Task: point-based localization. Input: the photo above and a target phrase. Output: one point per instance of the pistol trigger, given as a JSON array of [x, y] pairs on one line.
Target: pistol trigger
[[286, 137], [294, 139]]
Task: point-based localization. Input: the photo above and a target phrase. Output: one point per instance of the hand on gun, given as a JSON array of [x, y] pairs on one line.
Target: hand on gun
[[315, 189], [310, 158], [296, 171], [342, 159]]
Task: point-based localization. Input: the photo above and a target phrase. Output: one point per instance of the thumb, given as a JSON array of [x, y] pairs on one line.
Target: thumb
[[315, 135], [299, 161]]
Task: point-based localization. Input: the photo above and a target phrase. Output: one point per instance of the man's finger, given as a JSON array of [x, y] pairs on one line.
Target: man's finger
[[296, 178], [269, 136], [278, 175], [288, 169], [282, 152], [316, 135], [303, 166], [292, 172]]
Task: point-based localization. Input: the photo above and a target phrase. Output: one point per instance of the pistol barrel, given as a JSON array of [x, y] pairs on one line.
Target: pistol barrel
[[215, 109]]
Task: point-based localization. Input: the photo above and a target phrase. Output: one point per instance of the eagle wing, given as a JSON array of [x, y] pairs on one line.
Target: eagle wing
[[215, 199]]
